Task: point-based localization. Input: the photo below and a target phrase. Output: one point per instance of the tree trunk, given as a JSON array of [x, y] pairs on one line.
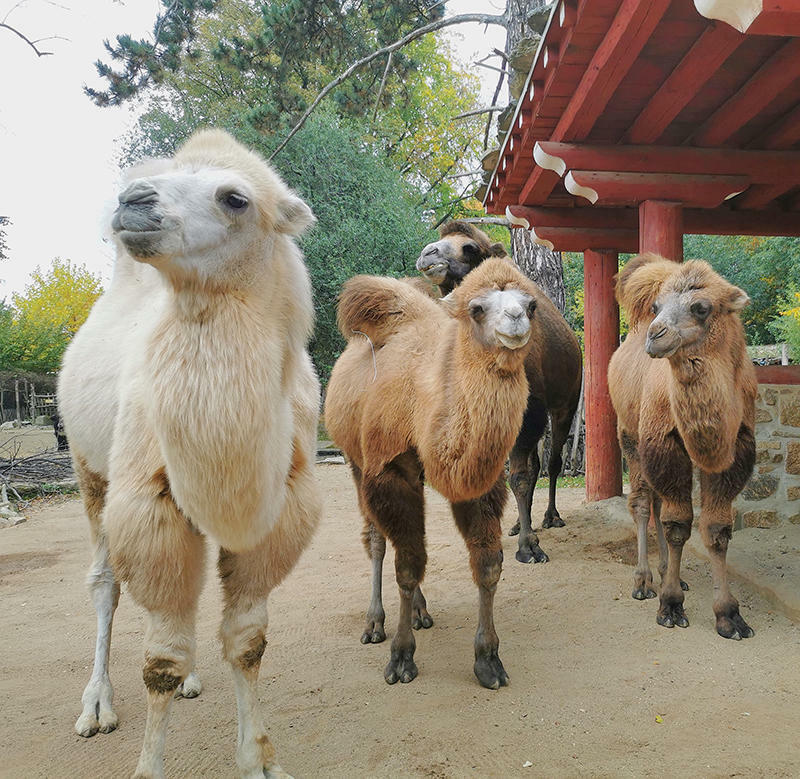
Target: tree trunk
[[525, 20]]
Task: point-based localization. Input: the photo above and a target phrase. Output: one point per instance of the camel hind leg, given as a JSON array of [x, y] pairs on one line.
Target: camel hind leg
[[523, 472], [560, 423], [97, 699]]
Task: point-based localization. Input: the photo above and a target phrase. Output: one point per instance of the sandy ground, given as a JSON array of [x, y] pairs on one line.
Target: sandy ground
[[597, 688], [25, 441]]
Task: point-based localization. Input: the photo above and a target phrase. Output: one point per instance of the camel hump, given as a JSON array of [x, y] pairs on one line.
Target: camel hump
[[639, 282], [378, 307]]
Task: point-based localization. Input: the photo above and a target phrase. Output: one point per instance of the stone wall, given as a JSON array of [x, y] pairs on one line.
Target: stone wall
[[772, 496]]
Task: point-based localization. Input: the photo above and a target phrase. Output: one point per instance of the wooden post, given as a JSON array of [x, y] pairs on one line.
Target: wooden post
[[661, 228], [601, 338], [16, 395]]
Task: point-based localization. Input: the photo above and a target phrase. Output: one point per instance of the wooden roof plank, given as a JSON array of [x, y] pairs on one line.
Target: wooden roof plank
[[711, 49], [776, 74]]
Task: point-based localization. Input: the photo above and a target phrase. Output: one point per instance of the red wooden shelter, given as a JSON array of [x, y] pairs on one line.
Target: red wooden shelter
[[642, 120]]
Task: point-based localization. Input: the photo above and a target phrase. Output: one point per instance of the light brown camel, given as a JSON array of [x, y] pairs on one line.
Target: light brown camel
[[420, 393], [553, 367], [694, 405], [191, 408]]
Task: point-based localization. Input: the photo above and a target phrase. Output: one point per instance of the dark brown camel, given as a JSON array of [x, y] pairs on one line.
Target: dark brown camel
[[553, 368]]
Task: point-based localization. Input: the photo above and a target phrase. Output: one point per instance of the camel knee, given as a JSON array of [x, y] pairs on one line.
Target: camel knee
[[487, 566], [716, 536], [162, 675], [677, 533]]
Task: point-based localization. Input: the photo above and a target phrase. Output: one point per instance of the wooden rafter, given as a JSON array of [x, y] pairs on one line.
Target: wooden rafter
[[629, 32], [698, 65], [774, 76]]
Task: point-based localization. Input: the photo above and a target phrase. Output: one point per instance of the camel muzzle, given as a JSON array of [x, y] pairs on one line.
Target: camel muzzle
[[662, 341]]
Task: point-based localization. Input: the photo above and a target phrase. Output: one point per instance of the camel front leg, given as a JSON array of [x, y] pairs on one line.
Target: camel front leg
[[375, 543], [395, 499], [668, 468], [718, 491], [479, 523], [98, 714], [663, 549]]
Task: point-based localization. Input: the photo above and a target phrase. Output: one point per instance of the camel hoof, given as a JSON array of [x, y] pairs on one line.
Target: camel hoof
[[190, 687], [514, 529], [672, 615], [490, 672], [401, 667], [529, 552], [422, 620], [684, 586], [552, 521], [734, 627], [643, 593], [276, 772], [373, 636]]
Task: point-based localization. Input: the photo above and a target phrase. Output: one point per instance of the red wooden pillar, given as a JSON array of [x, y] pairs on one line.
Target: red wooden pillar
[[601, 338], [661, 228]]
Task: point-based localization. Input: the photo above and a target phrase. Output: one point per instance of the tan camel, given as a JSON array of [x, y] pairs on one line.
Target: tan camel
[[191, 407], [553, 368], [694, 405], [420, 393]]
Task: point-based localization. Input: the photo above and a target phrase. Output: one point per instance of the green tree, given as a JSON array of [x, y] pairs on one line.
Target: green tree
[[36, 329]]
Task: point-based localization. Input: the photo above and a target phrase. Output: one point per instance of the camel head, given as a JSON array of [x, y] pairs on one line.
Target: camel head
[[499, 303], [212, 212], [692, 302], [460, 248]]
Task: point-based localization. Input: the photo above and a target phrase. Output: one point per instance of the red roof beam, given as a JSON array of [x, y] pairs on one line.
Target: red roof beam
[[579, 239], [767, 83], [762, 167], [719, 221], [784, 134], [621, 188], [698, 65]]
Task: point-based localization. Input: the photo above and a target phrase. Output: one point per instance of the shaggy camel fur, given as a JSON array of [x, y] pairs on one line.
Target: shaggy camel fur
[[191, 407], [420, 393], [692, 406], [553, 367]]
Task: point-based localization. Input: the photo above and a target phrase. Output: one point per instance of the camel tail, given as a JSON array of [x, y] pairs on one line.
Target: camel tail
[[378, 307], [639, 282]]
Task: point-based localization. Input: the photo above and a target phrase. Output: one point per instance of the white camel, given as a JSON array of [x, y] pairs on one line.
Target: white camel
[[191, 407]]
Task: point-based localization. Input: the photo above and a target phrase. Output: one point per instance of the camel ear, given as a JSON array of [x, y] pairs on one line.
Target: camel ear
[[294, 216], [497, 250], [737, 299]]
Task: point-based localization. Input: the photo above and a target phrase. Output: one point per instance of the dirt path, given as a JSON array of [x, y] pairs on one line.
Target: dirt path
[[597, 688]]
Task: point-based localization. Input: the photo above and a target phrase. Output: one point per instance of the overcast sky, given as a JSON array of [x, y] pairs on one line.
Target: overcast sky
[[58, 150]]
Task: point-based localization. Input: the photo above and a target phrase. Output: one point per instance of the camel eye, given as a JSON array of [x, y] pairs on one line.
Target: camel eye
[[476, 311], [654, 308], [531, 309], [701, 309], [235, 201]]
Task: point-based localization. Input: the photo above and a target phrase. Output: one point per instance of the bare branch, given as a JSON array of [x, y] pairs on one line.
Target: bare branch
[[31, 43], [478, 111], [461, 175], [380, 89], [482, 64], [494, 101], [406, 39]]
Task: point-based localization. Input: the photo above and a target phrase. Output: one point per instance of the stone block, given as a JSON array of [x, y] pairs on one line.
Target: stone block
[[762, 455], [793, 493], [777, 458], [761, 519], [795, 519], [793, 457], [767, 468], [790, 410], [770, 397], [762, 415], [760, 486]]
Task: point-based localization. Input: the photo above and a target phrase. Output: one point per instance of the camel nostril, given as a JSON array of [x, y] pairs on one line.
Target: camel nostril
[[138, 194], [430, 252], [659, 334]]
